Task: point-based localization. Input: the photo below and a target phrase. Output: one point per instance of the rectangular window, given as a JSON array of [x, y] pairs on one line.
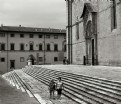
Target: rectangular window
[[40, 47], [55, 47], [40, 59], [2, 47], [2, 59], [21, 35], [2, 34], [12, 35], [55, 59], [31, 35], [77, 31], [55, 36], [21, 59], [47, 36], [65, 48], [40, 36], [12, 46], [31, 47], [48, 47], [113, 15], [21, 47]]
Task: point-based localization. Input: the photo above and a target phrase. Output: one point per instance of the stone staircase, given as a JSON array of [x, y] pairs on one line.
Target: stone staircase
[[33, 87], [79, 88]]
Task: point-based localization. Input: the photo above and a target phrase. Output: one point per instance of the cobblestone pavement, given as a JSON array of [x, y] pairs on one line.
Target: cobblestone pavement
[[10, 95], [105, 72]]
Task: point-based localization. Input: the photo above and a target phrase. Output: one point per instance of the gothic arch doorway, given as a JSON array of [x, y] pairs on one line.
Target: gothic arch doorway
[[90, 44], [89, 16]]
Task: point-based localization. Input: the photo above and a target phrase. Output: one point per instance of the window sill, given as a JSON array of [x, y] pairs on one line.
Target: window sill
[[114, 30]]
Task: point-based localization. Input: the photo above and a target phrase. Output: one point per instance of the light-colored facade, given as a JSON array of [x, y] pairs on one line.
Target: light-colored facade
[[17, 44], [94, 32]]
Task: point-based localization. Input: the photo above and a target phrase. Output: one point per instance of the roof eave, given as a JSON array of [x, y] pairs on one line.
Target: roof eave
[[86, 7]]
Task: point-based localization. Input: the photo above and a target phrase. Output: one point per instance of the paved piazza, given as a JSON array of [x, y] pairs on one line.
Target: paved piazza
[[108, 72]]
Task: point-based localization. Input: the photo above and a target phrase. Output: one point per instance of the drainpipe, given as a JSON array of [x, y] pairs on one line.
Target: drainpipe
[[68, 30], [44, 49], [69, 27], [7, 51], [97, 31]]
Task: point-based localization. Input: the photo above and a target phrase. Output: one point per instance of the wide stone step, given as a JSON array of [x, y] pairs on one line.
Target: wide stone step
[[93, 87], [90, 82], [86, 81], [46, 82], [97, 80], [74, 83], [32, 87], [86, 93]]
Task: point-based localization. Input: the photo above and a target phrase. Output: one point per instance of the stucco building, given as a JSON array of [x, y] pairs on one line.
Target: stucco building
[[94, 32], [18, 44]]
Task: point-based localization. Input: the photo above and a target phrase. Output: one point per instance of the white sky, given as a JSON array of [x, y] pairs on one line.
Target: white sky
[[33, 13]]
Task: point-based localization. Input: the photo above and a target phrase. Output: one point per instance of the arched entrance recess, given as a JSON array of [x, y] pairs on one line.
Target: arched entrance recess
[[32, 58], [89, 16], [90, 44]]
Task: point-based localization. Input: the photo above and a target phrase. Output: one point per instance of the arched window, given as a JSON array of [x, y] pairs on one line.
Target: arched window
[[48, 47], [89, 29], [55, 47], [31, 47], [12, 46], [2, 46]]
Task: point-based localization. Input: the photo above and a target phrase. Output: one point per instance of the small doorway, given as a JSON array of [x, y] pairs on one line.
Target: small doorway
[[93, 53], [12, 64]]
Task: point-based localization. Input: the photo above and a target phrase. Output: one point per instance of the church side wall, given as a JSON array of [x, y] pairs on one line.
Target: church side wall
[[78, 45], [109, 41], [78, 49]]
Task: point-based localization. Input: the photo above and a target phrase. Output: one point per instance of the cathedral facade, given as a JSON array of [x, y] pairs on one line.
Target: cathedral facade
[[94, 32]]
